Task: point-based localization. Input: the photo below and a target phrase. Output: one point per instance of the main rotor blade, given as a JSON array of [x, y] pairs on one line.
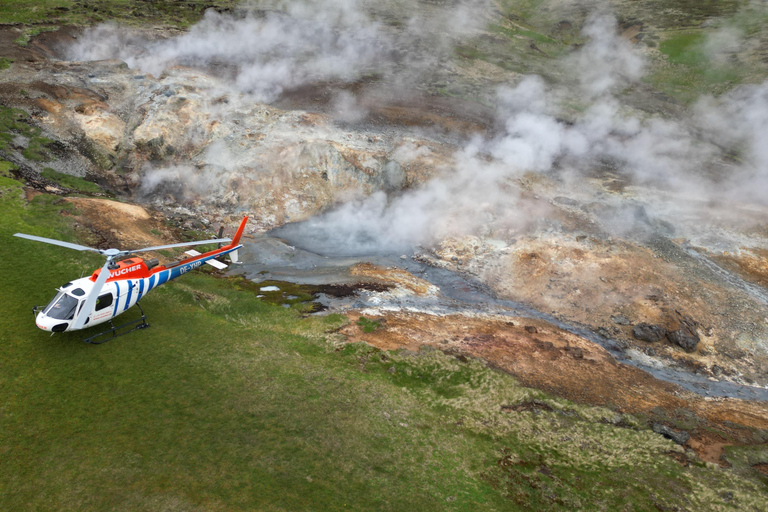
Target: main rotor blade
[[56, 242], [90, 302], [183, 244]]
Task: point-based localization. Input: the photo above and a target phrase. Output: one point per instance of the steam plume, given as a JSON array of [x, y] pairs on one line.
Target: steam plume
[[302, 43]]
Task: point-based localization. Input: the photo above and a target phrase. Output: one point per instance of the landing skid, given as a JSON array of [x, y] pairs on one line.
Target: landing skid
[[113, 330]]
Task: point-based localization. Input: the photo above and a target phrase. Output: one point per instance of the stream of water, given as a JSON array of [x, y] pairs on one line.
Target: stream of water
[[292, 254]]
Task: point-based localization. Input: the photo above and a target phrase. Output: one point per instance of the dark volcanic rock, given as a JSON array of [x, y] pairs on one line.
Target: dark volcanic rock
[[648, 332], [620, 319], [575, 352], [678, 437], [685, 338]]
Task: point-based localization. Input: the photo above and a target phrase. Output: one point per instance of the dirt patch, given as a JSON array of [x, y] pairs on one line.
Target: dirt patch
[[545, 357], [395, 276], [762, 467], [680, 458], [121, 225], [751, 264], [709, 448], [42, 46]]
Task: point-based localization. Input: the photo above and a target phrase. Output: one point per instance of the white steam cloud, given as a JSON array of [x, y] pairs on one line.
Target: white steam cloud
[[294, 43], [607, 61], [481, 194], [301, 43]]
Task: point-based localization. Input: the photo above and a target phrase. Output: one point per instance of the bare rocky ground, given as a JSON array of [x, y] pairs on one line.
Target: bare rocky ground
[[685, 288]]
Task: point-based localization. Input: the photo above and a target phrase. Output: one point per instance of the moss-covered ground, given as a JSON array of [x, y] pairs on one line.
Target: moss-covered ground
[[228, 402], [86, 12], [15, 123], [71, 182]]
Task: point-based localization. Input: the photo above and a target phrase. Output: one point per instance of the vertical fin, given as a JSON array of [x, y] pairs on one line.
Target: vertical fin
[[236, 239], [233, 256]]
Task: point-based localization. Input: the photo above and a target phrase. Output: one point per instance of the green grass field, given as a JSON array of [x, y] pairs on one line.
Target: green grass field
[[85, 12], [230, 403]]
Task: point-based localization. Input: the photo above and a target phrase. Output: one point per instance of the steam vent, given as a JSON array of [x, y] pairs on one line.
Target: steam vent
[[499, 255]]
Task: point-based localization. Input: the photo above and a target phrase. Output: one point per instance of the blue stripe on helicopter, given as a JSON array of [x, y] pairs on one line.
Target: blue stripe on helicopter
[[164, 276], [117, 298], [128, 300]]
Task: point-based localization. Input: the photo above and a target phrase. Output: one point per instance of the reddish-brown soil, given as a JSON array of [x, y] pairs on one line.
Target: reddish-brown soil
[[120, 225], [751, 264], [544, 357]]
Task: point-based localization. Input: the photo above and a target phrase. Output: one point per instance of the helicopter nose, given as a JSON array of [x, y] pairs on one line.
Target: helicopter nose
[[49, 324]]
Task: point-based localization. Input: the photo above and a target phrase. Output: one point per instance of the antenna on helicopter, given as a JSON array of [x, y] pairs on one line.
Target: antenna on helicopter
[[221, 233]]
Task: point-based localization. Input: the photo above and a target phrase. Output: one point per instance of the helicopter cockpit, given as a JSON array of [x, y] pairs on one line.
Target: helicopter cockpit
[[62, 307]]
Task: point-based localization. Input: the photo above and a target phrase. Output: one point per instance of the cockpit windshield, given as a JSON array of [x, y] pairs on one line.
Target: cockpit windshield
[[62, 307]]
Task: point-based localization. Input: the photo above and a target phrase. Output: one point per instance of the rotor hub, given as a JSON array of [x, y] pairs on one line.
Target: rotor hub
[[111, 253]]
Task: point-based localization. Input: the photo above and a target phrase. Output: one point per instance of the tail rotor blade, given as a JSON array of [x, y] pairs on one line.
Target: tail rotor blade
[[56, 242], [90, 302]]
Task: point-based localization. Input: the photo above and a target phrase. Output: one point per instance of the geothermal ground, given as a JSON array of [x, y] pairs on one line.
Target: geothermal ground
[[570, 194]]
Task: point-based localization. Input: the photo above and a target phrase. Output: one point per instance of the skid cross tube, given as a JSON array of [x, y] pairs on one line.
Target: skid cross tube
[[113, 330]]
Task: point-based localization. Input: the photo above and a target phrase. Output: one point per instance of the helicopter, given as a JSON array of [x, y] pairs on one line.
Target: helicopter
[[119, 285]]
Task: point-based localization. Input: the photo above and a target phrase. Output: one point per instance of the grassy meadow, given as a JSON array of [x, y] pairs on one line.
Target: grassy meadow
[[85, 12], [230, 403]]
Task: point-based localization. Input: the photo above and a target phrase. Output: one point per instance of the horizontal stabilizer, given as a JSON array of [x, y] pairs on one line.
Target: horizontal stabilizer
[[216, 263], [212, 262]]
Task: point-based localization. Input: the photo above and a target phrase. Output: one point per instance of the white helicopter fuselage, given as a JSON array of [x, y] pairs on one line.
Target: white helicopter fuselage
[[128, 282]]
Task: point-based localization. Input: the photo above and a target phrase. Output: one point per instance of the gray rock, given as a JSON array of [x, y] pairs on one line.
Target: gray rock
[[566, 201], [575, 352], [678, 437], [620, 319], [684, 338], [648, 332]]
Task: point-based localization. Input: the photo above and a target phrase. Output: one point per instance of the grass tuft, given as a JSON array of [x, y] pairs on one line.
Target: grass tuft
[[367, 324], [71, 182]]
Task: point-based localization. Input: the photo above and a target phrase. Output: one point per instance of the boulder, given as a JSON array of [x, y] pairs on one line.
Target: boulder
[[678, 437], [685, 338], [575, 352], [648, 332]]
